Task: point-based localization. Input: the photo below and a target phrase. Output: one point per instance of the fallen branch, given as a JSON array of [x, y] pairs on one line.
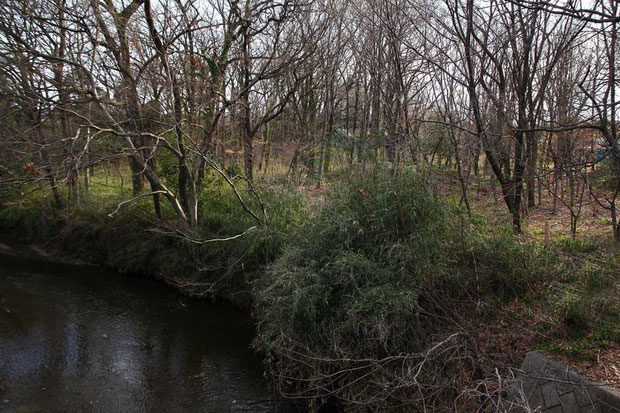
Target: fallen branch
[[118, 207]]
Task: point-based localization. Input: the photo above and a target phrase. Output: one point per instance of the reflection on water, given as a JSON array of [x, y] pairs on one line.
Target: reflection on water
[[84, 339]]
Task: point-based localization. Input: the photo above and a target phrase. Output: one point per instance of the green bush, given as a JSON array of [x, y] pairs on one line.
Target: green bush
[[505, 265], [374, 242], [585, 294], [604, 176], [362, 279]]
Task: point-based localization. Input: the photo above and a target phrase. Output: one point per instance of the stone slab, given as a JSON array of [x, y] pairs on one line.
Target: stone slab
[[552, 387]]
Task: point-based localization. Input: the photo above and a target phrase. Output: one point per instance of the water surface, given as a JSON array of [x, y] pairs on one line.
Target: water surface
[[84, 339]]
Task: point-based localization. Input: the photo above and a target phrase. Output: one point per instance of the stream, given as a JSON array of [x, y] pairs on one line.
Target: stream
[[86, 339]]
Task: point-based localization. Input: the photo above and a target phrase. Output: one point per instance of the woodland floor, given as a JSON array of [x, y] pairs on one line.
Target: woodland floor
[[514, 330], [598, 360]]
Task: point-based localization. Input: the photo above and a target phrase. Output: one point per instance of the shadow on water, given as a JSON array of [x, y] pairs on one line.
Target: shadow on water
[[81, 338]]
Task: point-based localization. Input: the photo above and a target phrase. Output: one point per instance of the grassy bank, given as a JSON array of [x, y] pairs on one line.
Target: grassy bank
[[130, 239], [382, 294]]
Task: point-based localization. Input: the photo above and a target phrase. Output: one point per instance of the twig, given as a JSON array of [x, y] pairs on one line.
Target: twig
[[118, 207]]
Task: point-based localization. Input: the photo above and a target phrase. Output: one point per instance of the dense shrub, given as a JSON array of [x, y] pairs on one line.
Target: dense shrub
[[504, 265], [352, 307], [585, 294], [371, 246]]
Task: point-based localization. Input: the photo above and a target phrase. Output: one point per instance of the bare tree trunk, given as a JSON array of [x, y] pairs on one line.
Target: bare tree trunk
[[532, 149], [246, 126], [50, 177]]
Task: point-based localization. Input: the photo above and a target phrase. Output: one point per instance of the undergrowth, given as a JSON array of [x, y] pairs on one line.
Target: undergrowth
[[376, 278], [131, 240], [374, 297]]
